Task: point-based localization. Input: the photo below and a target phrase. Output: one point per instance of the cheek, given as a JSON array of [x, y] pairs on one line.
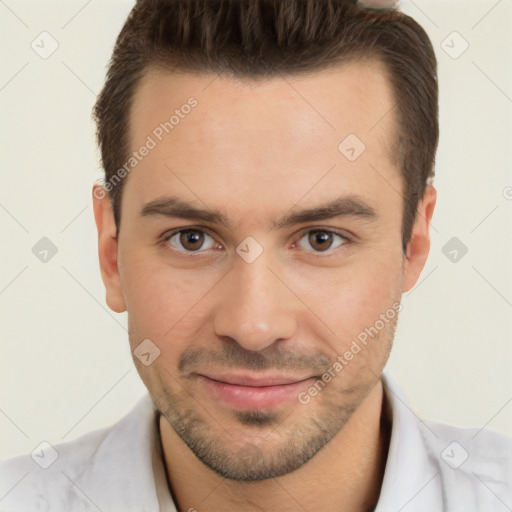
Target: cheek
[[166, 304], [350, 299], [369, 295]]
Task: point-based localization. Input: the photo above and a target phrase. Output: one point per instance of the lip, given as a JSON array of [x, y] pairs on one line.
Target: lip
[[254, 392]]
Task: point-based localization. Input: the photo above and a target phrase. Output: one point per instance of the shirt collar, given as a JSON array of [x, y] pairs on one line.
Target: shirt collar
[[410, 474], [165, 500]]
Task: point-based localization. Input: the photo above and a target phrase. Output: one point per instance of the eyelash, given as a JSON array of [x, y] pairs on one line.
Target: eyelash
[[166, 238]]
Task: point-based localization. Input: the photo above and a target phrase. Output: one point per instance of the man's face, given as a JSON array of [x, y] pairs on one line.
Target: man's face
[[249, 313]]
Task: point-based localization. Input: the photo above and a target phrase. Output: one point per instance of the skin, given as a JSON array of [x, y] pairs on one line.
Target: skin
[[257, 152]]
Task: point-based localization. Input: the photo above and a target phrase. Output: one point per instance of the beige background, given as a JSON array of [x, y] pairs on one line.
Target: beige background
[[65, 364]]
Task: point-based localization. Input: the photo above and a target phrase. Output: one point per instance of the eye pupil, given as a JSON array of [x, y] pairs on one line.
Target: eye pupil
[[317, 240], [196, 238]]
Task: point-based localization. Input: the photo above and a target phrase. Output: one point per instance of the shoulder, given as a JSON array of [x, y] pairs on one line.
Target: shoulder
[[474, 465], [88, 473], [452, 468], [45, 478]]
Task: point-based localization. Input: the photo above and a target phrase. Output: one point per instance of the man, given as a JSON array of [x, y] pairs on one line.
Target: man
[[267, 200]]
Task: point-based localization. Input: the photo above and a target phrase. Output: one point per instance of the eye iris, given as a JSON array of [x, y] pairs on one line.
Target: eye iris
[[195, 238], [320, 237]]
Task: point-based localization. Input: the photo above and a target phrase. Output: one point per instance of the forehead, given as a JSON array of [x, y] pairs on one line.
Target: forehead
[[219, 134], [354, 97]]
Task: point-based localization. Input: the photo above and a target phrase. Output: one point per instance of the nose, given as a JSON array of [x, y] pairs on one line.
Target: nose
[[255, 307]]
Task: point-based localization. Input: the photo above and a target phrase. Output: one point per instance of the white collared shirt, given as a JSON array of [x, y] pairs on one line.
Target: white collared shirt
[[431, 467]]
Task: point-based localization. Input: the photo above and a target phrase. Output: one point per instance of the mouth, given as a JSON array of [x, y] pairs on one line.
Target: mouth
[[254, 391]]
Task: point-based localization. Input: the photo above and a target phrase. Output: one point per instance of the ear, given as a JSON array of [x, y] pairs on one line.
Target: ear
[[419, 243], [107, 248]]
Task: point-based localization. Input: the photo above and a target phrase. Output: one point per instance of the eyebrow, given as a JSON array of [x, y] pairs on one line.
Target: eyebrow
[[347, 206]]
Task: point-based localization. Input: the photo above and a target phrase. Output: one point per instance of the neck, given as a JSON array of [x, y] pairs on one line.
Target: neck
[[346, 473]]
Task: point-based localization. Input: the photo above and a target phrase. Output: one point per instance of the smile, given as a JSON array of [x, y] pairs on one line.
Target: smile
[[254, 392]]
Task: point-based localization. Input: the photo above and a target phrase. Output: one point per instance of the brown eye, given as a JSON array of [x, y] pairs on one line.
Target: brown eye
[[191, 240], [321, 240]]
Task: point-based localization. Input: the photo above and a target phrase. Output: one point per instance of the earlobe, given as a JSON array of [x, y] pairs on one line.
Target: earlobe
[[107, 248], [419, 243]]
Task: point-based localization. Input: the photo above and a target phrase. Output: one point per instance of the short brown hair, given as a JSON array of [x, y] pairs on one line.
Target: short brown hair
[[261, 39]]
